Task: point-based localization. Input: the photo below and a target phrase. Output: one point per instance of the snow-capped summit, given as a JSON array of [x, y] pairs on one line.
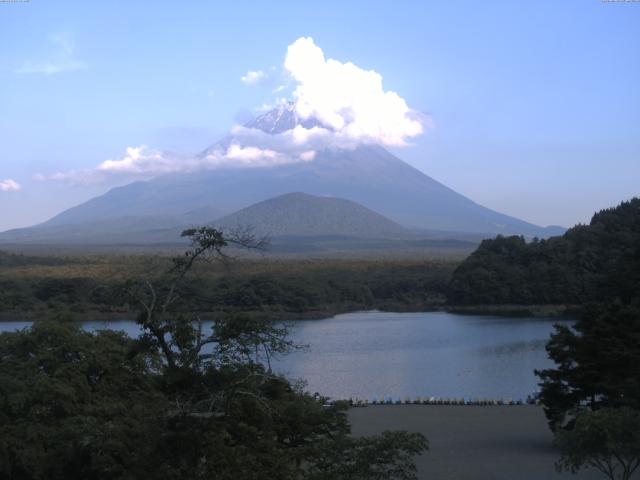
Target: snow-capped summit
[[280, 119]]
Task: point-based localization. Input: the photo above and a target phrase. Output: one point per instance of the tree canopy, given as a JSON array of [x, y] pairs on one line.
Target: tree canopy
[[588, 263], [607, 440], [597, 364], [180, 401]]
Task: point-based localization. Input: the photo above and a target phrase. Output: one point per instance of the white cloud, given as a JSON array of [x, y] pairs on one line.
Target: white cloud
[[9, 185], [307, 155], [349, 100], [337, 105], [295, 141], [340, 105], [139, 160], [238, 156], [62, 59], [248, 154], [253, 77]]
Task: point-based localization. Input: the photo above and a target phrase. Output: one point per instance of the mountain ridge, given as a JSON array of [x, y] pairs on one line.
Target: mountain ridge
[[367, 174]]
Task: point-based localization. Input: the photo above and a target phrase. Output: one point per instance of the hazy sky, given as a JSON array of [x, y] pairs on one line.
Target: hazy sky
[[531, 108]]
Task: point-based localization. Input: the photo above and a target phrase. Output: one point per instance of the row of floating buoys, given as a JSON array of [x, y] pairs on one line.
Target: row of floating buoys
[[389, 400]]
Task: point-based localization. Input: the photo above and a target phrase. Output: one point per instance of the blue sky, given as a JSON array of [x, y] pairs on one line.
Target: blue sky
[[534, 106]]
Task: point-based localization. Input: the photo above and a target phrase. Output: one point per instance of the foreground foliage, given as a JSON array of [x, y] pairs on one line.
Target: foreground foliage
[[597, 364], [592, 397], [179, 402], [607, 440], [73, 405]]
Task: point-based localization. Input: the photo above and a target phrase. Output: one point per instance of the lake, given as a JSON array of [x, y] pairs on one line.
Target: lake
[[370, 354]]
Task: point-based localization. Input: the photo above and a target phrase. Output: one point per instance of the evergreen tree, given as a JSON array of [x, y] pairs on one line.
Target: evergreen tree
[[597, 364], [589, 263]]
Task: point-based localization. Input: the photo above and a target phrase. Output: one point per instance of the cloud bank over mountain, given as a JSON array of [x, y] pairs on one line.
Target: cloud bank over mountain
[[142, 162], [349, 100], [334, 104]]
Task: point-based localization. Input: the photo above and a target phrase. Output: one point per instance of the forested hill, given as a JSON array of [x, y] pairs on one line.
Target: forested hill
[[301, 214], [588, 263]]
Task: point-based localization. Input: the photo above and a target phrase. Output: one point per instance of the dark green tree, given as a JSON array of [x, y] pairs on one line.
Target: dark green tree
[[374, 458], [607, 440], [181, 401], [73, 405], [597, 364], [598, 262]]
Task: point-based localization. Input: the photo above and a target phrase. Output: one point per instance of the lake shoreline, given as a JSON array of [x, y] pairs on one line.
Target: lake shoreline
[[315, 314], [514, 310], [367, 354], [538, 311]]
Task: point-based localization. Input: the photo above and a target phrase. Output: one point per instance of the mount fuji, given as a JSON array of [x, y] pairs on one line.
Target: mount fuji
[[154, 210]]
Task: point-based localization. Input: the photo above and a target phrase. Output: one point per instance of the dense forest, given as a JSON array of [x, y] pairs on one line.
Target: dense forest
[[96, 286], [589, 263]]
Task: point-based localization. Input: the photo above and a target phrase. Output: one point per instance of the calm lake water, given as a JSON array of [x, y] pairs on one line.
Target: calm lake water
[[370, 354]]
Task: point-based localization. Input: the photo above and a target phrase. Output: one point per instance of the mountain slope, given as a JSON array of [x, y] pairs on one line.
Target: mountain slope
[[368, 175], [126, 230], [300, 214]]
